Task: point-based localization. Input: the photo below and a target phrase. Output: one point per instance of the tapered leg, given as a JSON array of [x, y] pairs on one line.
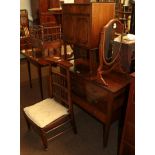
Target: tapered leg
[[65, 51], [106, 128], [44, 140], [27, 122], [40, 81], [29, 72], [73, 124]]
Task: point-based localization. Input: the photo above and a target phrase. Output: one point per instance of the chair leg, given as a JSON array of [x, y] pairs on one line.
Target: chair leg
[[73, 124], [29, 72], [44, 140], [27, 122]]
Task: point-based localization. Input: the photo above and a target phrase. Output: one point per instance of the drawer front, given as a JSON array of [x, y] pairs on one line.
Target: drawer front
[[76, 9]]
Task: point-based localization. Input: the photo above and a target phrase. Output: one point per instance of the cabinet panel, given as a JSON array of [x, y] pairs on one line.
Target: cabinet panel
[[68, 25], [40, 10], [82, 25], [54, 3], [88, 21], [43, 5], [82, 34], [77, 9]]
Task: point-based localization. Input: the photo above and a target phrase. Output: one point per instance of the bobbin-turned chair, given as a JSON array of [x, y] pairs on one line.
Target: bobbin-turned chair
[[56, 112], [46, 40]]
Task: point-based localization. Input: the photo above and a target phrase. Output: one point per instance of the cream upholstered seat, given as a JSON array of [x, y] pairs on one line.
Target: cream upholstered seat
[[45, 112]]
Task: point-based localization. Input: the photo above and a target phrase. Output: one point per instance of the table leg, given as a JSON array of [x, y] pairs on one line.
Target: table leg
[[65, 51], [107, 125], [106, 128], [92, 61], [29, 72], [40, 81]]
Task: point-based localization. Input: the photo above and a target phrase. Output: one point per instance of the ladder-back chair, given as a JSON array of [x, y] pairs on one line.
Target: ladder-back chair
[[46, 40], [55, 112]]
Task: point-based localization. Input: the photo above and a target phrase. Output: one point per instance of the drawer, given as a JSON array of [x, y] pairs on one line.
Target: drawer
[[77, 9]]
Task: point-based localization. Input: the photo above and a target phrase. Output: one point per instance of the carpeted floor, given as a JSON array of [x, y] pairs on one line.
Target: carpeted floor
[[88, 140]]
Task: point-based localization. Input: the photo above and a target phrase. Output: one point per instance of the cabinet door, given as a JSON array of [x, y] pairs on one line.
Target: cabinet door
[[68, 26], [82, 30], [54, 3], [43, 5]]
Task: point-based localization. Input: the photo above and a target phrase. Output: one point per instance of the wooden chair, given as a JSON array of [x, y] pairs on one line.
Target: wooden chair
[[55, 112], [46, 40]]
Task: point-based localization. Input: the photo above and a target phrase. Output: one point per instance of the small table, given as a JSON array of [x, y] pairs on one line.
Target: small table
[[38, 62], [104, 103]]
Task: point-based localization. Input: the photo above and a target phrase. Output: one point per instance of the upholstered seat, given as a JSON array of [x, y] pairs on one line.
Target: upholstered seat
[[45, 112]]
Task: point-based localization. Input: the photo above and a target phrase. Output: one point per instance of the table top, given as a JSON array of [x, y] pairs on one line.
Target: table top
[[44, 61], [116, 81], [28, 53]]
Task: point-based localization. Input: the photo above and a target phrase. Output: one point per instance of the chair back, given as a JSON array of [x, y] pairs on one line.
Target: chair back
[[47, 39], [60, 88]]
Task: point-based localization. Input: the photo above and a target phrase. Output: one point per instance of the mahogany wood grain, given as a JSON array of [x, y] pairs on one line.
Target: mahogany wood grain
[[82, 23], [104, 103], [127, 145]]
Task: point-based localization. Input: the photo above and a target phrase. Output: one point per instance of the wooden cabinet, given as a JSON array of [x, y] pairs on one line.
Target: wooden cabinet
[[127, 146], [40, 8], [82, 23], [54, 3]]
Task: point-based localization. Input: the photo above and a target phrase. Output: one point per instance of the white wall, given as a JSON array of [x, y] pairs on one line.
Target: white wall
[[26, 4], [68, 1]]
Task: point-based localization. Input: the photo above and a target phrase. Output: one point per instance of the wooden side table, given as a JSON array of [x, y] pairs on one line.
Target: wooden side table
[[104, 103], [37, 62]]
